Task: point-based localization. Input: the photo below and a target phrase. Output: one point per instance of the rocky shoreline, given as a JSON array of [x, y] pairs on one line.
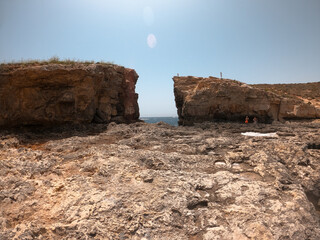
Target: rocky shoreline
[[156, 181]]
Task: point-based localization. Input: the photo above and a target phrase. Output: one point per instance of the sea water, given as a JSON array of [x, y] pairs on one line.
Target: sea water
[[170, 120]]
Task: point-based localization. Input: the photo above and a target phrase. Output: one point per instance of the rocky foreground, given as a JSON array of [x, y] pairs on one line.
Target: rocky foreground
[[155, 181]]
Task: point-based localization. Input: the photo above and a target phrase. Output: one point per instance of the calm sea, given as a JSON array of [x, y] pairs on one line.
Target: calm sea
[[170, 120]]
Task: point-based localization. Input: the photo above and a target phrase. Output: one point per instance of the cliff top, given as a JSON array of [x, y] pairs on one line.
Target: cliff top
[[70, 63], [208, 79], [308, 92]]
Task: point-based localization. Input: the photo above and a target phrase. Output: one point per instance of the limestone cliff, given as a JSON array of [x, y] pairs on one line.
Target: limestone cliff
[[66, 93], [206, 99]]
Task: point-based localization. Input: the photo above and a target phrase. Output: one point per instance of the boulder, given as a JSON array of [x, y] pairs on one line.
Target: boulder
[[44, 94], [209, 99]]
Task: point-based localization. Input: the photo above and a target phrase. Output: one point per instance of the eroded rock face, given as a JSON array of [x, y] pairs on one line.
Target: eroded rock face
[[208, 99], [65, 93], [155, 181]]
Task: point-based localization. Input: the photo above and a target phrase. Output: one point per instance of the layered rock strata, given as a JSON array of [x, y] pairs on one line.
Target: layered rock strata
[[66, 93], [154, 181], [208, 99]]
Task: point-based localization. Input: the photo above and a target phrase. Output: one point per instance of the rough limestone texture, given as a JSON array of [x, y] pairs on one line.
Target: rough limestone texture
[[208, 99], [64, 93], [308, 92], [155, 181]]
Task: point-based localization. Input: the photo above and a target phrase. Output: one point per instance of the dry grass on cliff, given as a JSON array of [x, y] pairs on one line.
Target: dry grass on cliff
[[54, 60]]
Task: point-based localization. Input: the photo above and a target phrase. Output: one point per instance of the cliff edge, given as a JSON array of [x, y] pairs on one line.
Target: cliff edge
[[44, 94], [208, 99]]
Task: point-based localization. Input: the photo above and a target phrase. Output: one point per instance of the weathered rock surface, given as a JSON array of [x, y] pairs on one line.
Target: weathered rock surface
[[155, 181], [65, 93], [308, 92], [208, 99]]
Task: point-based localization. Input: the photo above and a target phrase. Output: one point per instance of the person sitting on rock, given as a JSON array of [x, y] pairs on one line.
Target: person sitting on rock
[[247, 119]]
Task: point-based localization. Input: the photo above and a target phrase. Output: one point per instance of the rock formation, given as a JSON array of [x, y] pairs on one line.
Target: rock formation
[[207, 99], [65, 93], [155, 181], [308, 92]]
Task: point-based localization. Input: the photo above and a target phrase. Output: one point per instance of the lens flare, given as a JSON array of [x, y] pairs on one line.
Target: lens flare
[[151, 40]]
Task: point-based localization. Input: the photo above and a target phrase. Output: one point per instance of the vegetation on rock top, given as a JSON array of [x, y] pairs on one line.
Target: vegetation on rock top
[[54, 60]]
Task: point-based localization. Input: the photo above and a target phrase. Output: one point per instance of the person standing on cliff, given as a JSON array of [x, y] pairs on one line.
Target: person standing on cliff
[[247, 120], [255, 120]]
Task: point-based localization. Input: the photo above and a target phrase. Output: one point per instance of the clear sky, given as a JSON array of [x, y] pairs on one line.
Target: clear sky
[[253, 41]]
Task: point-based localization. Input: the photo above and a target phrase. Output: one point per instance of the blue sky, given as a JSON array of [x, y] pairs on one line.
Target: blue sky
[[253, 41]]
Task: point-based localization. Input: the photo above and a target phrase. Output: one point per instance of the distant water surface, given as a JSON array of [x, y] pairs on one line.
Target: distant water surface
[[170, 120]]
